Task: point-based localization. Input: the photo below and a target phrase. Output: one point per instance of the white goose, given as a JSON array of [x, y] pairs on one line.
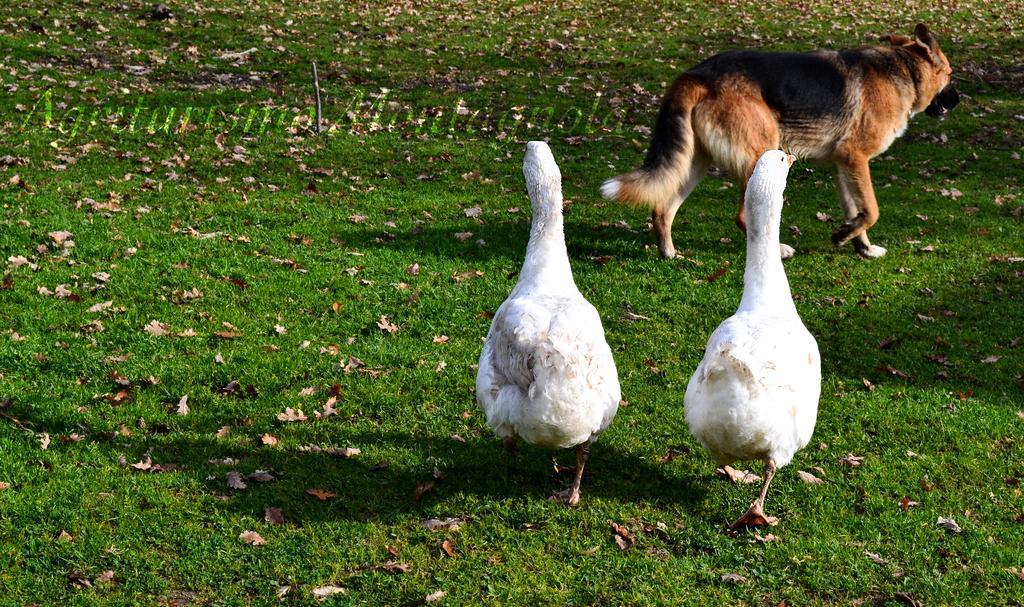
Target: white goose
[[546, 373], [755, 394]]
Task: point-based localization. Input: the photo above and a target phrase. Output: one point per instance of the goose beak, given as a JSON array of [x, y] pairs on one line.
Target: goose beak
[[790, 159]]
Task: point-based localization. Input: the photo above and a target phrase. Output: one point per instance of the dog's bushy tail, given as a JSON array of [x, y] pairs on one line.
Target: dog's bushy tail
[[667, 164]]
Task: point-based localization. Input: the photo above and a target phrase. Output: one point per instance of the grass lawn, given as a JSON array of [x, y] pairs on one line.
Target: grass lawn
[[250, 272]]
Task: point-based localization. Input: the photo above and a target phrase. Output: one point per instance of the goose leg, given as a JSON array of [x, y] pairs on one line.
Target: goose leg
[[755, 516], [571, 495]]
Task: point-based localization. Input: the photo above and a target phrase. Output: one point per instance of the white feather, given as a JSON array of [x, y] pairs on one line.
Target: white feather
[[546, 373]]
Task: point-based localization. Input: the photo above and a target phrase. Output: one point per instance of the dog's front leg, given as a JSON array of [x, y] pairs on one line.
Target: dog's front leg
[[853, 179]]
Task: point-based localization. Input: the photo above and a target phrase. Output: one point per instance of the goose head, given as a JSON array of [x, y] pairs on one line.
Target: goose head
[[763, 197], [543, 179]]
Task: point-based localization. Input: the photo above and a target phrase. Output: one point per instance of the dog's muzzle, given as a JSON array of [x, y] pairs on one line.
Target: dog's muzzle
[[946, 100]]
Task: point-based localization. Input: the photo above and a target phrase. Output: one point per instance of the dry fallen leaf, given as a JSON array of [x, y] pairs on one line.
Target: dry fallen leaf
[[183, 406], [948, 524], [906, 503], [268, 440], [421, 490], [292, 415], [440, 339], [325, 591], [156, 328], [740, 477], [321, 495], [235, 481], [435, 596], [442, 524], [623, 537], [448, 548], [387, 326], [252, 538], [809, 478], [851, 460], [274, 516], [733, 578], [875, 558], [396, 567]]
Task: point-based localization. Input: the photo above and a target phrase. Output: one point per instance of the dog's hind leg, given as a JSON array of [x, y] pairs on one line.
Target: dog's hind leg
[[853, 179], [664, 214]]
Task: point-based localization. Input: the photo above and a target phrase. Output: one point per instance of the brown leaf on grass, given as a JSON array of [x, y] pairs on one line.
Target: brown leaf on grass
[[268, 440], [733, 578], [894, 372], [59, 237], [235, 481], [851, 460], [413, 270], [252, 538], [261, 476], [448, 548], [321, 495], [435, 596], [474, 211], [182, 408], [77, 579], [463, 236], [875, 558], [623, 537], [292, 415], [223, 431], [948, 524], [272, 515], [442, 524], [387, 326], [144, 465], [720, 272], [105, 305], [767, 538], [106, 577], [345, 452], [440, 339], [156, 328], [396, 567], [906, 504], [4, 485], [44, 441], [738, 477], [422, 489], [323, 592], [466, 275], [809, 478]]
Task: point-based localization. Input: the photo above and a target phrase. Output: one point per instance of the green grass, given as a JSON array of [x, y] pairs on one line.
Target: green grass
[[244, 227]]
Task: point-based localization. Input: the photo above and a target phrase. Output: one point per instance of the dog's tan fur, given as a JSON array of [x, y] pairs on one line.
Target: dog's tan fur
[[718, 114]]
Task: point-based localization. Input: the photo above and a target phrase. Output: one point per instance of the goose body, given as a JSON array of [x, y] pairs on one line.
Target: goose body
[[755, 393], [546, 374]]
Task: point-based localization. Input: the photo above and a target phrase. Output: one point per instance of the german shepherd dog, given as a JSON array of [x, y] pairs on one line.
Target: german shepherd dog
[[838, 107]]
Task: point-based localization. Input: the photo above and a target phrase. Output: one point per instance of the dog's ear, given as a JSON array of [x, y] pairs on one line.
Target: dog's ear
[[897, 40], [925, 43], [925, 37]]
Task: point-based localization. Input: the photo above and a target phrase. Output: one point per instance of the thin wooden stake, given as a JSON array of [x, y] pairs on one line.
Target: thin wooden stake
[[316, 88]]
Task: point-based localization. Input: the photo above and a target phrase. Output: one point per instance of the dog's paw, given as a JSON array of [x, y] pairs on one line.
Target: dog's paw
[[786, 251], [872, 252]]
